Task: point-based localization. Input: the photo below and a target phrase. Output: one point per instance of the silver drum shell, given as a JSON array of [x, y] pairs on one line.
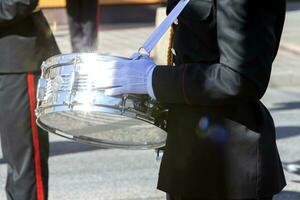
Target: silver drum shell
[[70, 104]]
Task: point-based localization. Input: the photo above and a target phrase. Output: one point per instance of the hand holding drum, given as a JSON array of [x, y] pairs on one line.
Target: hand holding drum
[[127, 76]]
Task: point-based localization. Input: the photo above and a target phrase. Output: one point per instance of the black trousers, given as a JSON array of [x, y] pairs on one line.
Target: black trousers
[[83, 24], [172, 197], [25, 147]]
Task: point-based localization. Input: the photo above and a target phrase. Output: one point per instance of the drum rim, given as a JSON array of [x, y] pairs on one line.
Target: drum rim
[[95, 108], [64, 108], [100, 143], [64, 59]]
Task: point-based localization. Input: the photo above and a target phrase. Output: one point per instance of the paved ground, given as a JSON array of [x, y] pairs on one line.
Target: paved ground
[[286, 69], [83, 172], [284, 104]]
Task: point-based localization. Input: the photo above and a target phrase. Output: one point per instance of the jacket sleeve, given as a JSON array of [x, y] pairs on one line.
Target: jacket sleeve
[[15, 10], [247, 46]]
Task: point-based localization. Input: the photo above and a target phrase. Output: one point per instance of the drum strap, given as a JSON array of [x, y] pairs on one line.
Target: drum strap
[[163, 27]]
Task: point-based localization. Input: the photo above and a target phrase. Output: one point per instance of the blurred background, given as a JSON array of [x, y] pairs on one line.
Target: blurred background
[[123, 25]]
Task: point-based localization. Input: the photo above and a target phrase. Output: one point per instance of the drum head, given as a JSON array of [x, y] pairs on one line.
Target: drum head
[[103, 129]]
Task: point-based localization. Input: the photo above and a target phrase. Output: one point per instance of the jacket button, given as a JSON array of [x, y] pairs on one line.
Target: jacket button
[[173, 51], [176, 21]]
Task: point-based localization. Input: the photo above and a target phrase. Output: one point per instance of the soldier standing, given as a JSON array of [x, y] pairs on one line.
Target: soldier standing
[[25, 41]]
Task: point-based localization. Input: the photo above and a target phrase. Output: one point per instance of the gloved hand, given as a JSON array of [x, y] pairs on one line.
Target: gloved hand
[[128, 76]]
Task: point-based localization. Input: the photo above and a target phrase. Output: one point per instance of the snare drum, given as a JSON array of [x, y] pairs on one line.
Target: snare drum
[[70, 104]]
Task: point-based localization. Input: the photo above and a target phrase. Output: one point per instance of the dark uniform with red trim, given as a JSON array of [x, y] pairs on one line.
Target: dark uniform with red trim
[[221, 138], [25, 41]]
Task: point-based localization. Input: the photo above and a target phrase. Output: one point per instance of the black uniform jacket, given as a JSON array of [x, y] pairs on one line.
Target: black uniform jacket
[[221, 138], [25, 37]]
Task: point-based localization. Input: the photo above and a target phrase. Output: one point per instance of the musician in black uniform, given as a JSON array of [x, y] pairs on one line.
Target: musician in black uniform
[[83, 24], [25, 41], [221, 138]]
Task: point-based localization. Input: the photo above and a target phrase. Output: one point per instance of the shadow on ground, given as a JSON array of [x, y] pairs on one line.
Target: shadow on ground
[[287, 131], [70, 147], [293, 5], [286, 106], [66, 147], [287, 195]]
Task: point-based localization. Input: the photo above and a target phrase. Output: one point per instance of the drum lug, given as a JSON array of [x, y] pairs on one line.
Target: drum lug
[[42, 83], [73, 87], [159, 154], [43, 69], [70, 103], [77, 60], [122, 105]]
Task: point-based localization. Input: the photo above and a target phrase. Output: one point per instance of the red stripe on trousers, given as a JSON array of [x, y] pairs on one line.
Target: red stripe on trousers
[[36, 145]]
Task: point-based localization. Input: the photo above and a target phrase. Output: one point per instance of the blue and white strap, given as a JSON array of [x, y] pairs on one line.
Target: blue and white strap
[[163, 27]]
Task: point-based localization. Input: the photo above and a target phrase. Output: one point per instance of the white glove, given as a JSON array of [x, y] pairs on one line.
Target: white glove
[[127, 76]]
